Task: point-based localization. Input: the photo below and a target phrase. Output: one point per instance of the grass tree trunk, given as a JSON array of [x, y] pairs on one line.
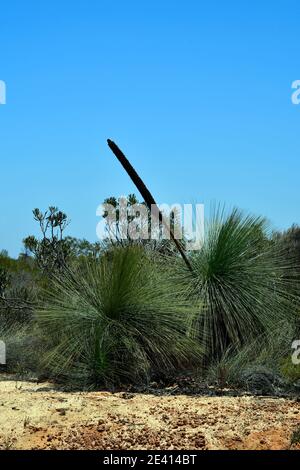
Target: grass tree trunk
[[148, 198]]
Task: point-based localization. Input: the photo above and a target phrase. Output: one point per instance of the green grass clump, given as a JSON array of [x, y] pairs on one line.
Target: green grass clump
[[22, 349], [289, 370], [242, 280]]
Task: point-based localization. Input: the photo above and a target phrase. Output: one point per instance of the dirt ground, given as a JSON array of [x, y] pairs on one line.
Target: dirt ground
[[37, 416]]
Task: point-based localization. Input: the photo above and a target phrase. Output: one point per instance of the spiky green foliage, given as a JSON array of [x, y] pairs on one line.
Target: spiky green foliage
[[242, 279], [117, 320]]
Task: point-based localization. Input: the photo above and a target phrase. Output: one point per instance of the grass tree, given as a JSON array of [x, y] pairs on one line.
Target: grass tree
[[117, 319], [243, 280]]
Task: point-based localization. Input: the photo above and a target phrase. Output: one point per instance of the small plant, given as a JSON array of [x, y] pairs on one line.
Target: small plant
[[289, 370], [52, 251], [7, 442]]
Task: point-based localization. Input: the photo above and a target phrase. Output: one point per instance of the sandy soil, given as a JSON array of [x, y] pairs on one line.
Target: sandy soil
[[36, 416]]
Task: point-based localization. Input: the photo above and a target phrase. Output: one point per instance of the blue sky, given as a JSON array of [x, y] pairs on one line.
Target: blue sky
[[196, 93]]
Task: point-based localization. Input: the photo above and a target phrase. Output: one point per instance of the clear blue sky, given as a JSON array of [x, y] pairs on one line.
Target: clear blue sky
[[197, 94]]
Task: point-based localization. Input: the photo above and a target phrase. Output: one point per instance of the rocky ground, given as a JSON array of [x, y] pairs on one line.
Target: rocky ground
[[38, 416]]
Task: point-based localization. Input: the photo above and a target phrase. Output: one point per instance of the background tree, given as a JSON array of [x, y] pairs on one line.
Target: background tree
[[51, 252], [115, 230]]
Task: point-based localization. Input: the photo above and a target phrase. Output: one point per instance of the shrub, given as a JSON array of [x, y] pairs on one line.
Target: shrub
[[289, 370], [117, 319], [242, 279], [23, 349]]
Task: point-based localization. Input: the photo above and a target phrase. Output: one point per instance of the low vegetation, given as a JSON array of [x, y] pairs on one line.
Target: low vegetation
[[114, 314]]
